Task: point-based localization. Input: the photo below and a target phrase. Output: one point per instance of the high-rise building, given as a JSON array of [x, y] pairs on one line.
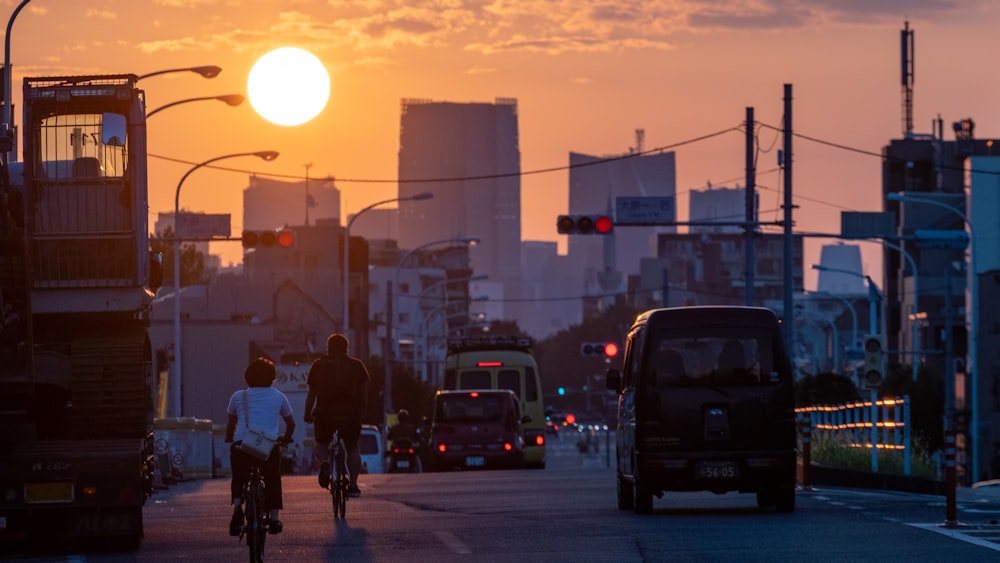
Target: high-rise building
[[719, 205], [471, 153], [269, 204]]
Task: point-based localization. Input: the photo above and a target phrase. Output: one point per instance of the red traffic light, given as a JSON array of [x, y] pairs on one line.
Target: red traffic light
[[584, 224], [611, 349], [603, 224], [282, 237]]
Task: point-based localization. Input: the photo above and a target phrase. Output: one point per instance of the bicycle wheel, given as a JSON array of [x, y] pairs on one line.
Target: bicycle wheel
[[256, 525]]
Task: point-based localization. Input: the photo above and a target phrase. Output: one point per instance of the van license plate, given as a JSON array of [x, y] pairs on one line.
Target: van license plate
[[475, 461], [716, 470], [403, 464]]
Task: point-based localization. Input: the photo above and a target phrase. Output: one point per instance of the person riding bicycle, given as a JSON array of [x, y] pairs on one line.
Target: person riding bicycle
[[338, 389], [404, 431], [266, 406]]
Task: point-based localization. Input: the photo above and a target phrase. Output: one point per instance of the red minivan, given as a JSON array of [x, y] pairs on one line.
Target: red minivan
[[476, 429]]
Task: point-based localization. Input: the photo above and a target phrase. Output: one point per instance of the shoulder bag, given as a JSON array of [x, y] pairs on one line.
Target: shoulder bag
[[255, 442]]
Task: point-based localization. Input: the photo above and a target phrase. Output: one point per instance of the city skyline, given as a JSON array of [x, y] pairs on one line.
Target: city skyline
[[586, 76]]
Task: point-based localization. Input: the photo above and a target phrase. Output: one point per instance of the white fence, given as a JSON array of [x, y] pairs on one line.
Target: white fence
[[886, 423]]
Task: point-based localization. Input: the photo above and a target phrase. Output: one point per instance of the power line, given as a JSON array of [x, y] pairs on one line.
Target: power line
[[479, 177]]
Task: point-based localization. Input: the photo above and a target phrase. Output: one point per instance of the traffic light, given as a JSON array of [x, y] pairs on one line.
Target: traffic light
[[599, 349], [585, 224], [871, 377], [283, 238]]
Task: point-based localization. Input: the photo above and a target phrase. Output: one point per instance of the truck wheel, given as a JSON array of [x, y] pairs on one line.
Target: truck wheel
[[626, 501]]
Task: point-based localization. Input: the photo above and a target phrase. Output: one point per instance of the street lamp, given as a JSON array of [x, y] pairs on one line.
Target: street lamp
[[347, 238], [230, 99], [854, 318], [425, 327], [873, 293], [915, 344], [833, 330], [390, 297], [420, 332], [208, 71], [973, 315], [178, 361], [8, 126]]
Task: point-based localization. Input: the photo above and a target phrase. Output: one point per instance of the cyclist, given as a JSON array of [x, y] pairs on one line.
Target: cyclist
[[404, 431], [337, 400], [266, 406]]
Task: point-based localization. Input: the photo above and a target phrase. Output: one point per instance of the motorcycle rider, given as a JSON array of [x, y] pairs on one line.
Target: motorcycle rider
[[404, 434]]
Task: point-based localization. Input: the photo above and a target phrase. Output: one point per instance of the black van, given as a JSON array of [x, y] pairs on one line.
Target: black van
[[705, 403]]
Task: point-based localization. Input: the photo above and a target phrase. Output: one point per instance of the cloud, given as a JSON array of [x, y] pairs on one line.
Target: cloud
[[173, 45], [380, 29]]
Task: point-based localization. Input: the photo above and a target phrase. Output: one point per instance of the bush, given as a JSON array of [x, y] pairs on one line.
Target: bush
[[825, 389]]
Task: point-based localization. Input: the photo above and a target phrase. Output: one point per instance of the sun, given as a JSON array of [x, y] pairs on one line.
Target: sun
[[288, 86]]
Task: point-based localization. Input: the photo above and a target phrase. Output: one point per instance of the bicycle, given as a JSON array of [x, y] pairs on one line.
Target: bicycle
[[256, 516], [340, 478]]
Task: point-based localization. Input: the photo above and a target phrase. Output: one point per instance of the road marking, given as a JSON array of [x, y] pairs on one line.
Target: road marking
[[961, 534], [451, 542]]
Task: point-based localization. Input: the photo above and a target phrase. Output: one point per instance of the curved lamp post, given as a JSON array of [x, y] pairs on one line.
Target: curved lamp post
[[973, 315], [854, 318], [425, 327], [835, 360], [178, 361], [8, 126], [347, 238], [230, 99], [207, 71], [390, 297], [914, 322], [420, 333]]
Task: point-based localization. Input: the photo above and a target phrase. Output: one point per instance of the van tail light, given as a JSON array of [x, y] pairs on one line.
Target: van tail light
[[507, 446], [442, 448], [540, 440]]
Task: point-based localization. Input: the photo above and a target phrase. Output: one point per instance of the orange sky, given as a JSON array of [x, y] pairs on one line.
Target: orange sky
[[586, 74]]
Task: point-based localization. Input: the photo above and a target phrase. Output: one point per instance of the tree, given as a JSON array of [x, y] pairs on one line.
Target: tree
[[192, 261]]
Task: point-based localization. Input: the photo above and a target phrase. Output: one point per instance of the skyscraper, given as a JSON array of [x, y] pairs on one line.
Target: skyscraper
[[470, 153]]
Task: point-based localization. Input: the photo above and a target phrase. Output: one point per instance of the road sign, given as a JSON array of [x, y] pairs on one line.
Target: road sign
[[202, 225], [863, 224], [645, 210], [931, 238]]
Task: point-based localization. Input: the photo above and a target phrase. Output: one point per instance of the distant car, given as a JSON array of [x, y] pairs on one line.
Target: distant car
[[476, 429], [372, 449]]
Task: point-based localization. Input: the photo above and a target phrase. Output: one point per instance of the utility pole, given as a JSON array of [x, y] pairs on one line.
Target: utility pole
[[786, 162], [751, 216]]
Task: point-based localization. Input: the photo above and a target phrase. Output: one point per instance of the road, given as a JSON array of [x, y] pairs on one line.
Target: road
[[566, 512]]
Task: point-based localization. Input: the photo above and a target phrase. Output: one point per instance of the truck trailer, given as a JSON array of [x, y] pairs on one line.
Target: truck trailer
[[76, 285]]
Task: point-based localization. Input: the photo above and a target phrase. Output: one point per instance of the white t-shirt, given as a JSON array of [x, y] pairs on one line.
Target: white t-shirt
[[267, 407]]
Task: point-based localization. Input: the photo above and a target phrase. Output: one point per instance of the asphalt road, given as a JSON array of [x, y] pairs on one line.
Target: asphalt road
[[566, 512]]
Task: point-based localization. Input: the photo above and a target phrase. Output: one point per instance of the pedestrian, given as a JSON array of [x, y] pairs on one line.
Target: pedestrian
[[266, 405], [337, 400]]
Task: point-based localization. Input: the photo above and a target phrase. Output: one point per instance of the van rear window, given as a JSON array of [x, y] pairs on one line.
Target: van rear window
[[710, 356], [510, 379], [465, 408], [474, 379]]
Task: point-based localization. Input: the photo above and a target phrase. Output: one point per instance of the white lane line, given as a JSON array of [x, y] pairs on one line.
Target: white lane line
[[451, 542], [957, 534]]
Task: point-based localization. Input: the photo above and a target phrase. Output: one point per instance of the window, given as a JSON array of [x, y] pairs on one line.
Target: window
[[478, 379], [510, 379]]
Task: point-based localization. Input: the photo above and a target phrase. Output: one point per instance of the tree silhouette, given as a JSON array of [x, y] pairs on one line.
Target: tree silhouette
[[192, 261]]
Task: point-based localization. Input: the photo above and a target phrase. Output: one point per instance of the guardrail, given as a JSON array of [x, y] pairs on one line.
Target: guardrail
[[886, 424]]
